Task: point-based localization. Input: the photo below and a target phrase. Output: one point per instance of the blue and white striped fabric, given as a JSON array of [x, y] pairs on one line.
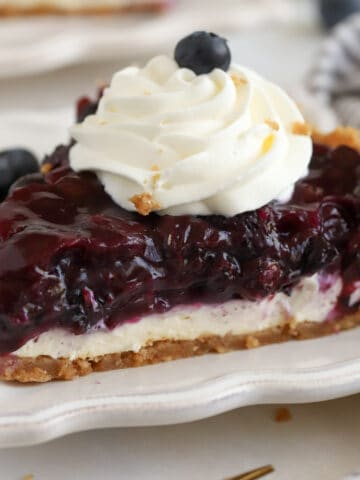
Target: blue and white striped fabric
[[334, 80]]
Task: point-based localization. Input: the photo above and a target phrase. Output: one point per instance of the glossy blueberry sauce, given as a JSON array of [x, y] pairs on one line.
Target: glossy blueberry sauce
[[70, 257]]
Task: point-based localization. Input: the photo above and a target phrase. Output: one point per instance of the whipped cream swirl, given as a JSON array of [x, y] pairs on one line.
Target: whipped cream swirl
[[164, 139]]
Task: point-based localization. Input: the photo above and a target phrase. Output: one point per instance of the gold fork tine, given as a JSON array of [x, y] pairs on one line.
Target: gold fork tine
[[254, 474]]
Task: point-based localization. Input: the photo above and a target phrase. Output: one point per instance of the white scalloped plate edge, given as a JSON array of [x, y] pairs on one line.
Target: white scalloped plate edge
[[49, 43], [209, 398]]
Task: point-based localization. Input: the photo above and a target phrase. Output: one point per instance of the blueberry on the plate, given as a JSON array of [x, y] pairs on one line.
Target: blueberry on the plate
[[14, 164], [202, 52], [334, 11]]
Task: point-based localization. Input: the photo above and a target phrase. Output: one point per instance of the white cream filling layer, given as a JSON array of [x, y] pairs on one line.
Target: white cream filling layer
[[306, 303], [71, 4]]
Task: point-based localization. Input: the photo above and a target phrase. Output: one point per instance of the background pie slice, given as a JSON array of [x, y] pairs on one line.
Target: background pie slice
[[36, 7]]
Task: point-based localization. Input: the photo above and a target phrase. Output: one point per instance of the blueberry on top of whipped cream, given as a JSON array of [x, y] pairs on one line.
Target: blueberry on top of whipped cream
[[202, 52]]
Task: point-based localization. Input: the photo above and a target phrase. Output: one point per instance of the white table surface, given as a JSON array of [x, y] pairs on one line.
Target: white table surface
[[322, 440]]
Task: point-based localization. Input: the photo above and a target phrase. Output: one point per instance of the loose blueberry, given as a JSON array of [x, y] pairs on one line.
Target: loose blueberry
[[14, 164], [202, 52], [334, 11]]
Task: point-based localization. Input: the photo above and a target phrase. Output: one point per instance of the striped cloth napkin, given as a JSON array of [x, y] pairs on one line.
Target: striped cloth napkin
[[334, 80]]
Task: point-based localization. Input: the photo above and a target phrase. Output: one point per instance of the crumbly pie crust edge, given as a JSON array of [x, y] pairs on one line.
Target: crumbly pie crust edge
[[44, 369], [9, 11]]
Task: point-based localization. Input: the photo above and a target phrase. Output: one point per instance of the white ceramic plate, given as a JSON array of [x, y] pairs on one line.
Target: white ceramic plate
[[38, 131], [175, 392], [182, 391], [47, 43]]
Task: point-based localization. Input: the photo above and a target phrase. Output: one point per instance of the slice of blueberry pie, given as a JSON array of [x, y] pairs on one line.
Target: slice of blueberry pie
[[192, 213], [21, 7]]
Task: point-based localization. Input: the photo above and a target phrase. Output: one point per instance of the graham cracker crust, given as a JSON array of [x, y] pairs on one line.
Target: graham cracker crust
[[44, 369], [347, 136], [153, 7]]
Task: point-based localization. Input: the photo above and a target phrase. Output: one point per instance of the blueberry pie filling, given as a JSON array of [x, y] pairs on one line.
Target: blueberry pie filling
[[104, 265]]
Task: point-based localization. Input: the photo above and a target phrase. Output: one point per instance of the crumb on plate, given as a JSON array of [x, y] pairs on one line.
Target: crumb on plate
[[282, 415]]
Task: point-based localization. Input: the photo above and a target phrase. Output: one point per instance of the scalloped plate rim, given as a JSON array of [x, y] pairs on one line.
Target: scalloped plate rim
[[208, 398]]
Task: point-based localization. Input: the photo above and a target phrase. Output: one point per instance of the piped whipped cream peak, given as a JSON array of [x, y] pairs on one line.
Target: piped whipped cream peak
[[167, 140]]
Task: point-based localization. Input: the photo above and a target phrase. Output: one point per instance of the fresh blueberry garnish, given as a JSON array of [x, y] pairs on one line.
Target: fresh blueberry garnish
[[14, 164], [202, 52], [334, 11]]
